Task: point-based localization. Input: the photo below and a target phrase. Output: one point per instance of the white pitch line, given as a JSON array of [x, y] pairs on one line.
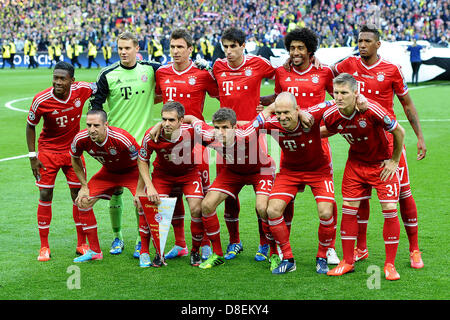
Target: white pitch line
[[10, 103], [13, 158]]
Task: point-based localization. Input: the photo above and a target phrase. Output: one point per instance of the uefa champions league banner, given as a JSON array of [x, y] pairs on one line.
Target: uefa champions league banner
[[159, 219], [43, 59]]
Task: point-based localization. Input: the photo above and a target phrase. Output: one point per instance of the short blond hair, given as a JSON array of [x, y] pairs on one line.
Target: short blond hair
[[127, 35]]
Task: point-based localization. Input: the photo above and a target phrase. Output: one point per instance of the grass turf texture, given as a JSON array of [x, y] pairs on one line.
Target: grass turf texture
[[119, 277]]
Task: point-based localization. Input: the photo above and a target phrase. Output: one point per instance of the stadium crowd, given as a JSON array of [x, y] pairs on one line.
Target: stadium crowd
[[100, 21]]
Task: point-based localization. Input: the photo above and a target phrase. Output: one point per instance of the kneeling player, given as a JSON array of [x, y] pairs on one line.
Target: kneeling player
[[372, 163], [117, 151], [245, 162], [173, 167]]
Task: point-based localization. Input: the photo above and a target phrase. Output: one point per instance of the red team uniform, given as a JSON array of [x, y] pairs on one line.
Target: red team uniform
[[173, 167], [61, 124], [370, 145], [304, 162], [380, 82], [245, 163], [309, 88], [189, 87], [239, 89], [117, 154]]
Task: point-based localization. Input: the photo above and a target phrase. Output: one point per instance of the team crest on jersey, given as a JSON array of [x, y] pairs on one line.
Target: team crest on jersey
[[143, 153], [315, 78], [132, 148], [144, 78], [387, 120], [380, 76], [248, 72], [112, 151], [31, 115], [192, 80], [77, 103], [362, 123]]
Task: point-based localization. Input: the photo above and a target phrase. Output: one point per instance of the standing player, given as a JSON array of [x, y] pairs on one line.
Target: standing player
[[117, 151], [129, 88], [372, 163], [184, 82], [239, 78], [174, 166], [304, 162], [379, 80], [61, 107], [309, 84]]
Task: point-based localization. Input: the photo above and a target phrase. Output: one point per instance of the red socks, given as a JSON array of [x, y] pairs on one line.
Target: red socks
[[391, 234], [212, 227], [81, 236], [408, 211], [178, 221], [280, 233], [44, 217], [89, 225], [231, 216], [326, 232], [349, 231], [197, 233]]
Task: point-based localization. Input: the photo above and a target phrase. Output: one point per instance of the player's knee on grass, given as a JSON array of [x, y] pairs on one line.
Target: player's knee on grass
[[46, 194], [388, 205], [275, 208], [261, 207], [195, 207], [325, 210]]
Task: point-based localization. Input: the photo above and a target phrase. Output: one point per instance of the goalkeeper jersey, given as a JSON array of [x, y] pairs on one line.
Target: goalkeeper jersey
[[130, 92]]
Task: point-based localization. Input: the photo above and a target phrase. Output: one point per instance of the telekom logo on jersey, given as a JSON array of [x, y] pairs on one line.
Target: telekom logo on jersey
[[228, 86]]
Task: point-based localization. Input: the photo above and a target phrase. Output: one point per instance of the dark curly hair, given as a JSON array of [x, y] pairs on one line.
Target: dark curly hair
[[305, 35]]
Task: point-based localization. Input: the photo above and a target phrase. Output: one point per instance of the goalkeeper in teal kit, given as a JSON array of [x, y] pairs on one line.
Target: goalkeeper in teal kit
[[129, 88]]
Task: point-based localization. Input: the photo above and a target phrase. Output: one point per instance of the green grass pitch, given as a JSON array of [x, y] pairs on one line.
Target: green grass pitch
[[22, 277]]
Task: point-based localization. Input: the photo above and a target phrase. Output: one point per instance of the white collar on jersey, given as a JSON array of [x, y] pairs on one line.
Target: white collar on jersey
[[240, 66], [61, 101], [347, 117], [184, 71], [303, 72], [373, 65], [106, 139]]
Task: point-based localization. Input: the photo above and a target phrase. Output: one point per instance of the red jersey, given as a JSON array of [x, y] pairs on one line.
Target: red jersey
[[118, 153], [239, 88], [248, 155], [309, 87], [301, 148], [378, 82], [365, 132], [61, 118], [174, 158], [187, 87]]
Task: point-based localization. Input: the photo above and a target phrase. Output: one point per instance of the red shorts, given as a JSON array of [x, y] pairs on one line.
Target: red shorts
[[202, 158], [104, 183], [359, 179], [190, 184], [289, 182], [231, 183], [54, 162]]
